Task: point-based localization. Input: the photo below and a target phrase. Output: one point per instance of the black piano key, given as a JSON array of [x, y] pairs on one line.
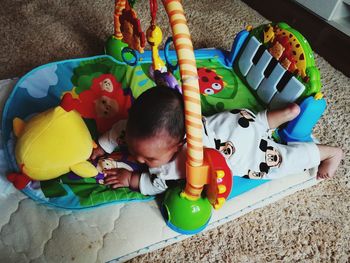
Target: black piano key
[[258, 54], [284, 80], [270, 67]]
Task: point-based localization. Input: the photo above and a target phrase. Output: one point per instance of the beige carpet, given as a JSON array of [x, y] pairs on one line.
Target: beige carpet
[[310, 226]]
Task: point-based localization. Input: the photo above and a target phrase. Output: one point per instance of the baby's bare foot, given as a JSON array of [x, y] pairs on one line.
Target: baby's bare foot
[[328, 167]]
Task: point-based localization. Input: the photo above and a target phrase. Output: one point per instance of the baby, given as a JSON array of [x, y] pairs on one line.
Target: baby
[[155, 135]]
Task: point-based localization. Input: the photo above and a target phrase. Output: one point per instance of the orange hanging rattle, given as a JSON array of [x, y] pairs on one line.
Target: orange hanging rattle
[[130, 28]]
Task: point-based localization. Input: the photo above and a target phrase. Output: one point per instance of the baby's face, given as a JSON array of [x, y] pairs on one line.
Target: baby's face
[[154, 151]]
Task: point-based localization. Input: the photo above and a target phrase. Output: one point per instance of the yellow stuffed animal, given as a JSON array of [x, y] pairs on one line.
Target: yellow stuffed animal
[[51, 144]]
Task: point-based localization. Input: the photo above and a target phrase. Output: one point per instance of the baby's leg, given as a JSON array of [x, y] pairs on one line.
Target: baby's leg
[[276, 118], [330, 159]]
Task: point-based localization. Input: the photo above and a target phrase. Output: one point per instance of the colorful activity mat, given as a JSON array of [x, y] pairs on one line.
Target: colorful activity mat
[[43, 88], [227, 80]]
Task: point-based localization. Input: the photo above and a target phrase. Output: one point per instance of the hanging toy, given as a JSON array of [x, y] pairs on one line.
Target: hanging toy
[[158, 70], [127, 36], [115, 44], [154, 38], [130, 29]]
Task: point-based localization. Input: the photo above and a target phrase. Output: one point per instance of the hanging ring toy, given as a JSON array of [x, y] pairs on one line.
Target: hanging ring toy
[[166, 55], [135, 58]]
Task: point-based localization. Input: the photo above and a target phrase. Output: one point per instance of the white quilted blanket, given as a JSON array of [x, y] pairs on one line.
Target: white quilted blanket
[[33, 232]]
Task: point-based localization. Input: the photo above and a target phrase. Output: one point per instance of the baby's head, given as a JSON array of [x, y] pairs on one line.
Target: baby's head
[[156, 126]]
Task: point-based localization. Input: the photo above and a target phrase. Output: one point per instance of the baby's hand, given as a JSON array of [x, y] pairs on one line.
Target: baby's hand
[[97, 152], [118, 177]]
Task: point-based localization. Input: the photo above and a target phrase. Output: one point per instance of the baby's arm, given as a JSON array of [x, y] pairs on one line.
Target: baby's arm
[[97, 152], [148, 183], [120, 177], [145, 183], [108, 141]]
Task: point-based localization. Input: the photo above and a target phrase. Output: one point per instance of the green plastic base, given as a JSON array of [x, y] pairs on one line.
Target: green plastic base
[[183, 215]]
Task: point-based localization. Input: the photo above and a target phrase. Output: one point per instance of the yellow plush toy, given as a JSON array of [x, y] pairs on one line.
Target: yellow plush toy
[[51, 144]]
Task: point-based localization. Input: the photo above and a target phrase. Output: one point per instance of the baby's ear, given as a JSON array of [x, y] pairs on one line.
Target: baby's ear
[[181, 143]]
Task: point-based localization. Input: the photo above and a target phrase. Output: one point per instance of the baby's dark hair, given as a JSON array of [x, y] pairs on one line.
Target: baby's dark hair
[[155, 110]]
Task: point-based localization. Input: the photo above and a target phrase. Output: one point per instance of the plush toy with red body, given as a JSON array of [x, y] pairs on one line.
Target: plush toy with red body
[[105, 102]]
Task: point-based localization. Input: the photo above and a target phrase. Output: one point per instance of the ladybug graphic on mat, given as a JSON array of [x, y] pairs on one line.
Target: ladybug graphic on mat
[[209, 82]]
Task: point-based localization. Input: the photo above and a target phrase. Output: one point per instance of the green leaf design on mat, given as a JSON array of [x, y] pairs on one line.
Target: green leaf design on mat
[[88, 70], [52, 188], [138, 79], [91, 193]]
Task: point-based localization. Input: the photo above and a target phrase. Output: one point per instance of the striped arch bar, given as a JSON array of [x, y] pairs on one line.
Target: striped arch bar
[[190, 87]]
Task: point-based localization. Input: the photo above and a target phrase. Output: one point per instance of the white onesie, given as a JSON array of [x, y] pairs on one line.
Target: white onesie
[[242, 137]]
